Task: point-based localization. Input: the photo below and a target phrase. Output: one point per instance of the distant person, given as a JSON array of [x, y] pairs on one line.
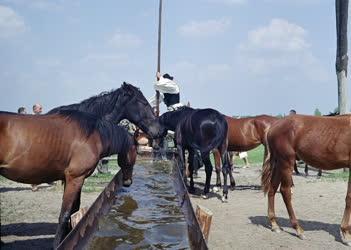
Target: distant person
[[37, 109], [21, 110], [169, 92], [292, 112], [242, 155]]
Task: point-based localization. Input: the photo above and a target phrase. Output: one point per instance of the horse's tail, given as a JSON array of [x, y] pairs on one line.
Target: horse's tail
[[268, 169], [219, 136]]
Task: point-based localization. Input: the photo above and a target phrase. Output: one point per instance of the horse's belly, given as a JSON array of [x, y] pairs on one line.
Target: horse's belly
[[30, 174]]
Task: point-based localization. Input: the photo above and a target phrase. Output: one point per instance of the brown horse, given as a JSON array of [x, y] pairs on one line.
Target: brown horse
[[322, 142], [244, 134], [63, 146]]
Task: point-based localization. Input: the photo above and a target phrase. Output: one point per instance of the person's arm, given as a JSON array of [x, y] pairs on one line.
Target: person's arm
[[153, 102]]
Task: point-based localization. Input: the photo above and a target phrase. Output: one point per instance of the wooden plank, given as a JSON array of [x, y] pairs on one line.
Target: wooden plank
[[77, 216], [204, 216]]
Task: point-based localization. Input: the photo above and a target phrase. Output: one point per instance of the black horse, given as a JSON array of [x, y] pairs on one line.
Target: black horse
[[202, 130], [126, 102]]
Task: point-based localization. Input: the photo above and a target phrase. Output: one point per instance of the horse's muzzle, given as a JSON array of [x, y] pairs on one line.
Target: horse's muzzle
[[127, 183]]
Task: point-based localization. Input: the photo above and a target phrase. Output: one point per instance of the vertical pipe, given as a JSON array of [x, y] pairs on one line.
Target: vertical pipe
[[159, 55], [341, 9]]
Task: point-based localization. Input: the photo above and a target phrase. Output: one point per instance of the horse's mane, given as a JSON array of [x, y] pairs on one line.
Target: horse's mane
[[103, 103], [115, 139]]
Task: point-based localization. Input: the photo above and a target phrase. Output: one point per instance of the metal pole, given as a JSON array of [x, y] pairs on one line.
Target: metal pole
[[341, 9], [159, 55]]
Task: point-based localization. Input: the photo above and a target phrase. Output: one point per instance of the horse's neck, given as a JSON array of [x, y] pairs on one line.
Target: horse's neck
[[103, 106], [175, 117]]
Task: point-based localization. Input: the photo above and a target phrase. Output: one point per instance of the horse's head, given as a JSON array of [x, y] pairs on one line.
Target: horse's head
[[138, 110], [126, 161]]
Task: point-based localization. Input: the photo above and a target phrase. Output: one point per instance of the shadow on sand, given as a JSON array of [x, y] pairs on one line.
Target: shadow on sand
[[332, 229]]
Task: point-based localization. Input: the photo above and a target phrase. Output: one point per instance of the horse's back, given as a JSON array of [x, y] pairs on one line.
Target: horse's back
[[323, 142], [248, 132]]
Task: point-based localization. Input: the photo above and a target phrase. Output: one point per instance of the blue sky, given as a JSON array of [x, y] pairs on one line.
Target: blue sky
[[242, 57]]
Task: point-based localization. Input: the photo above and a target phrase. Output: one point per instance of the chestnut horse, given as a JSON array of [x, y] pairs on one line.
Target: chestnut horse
[[63, 146], [322, 142], [244, 134], [202, 130], [127, 102]]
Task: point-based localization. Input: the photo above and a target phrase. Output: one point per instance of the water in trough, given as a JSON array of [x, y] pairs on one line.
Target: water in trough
[[146, 215]]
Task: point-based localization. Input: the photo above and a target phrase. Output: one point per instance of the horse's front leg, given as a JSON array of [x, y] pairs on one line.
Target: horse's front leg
[[346, 223], [217, 158], [191, 170], [70, 203], [231, 166], [208, 169], [181, 154]]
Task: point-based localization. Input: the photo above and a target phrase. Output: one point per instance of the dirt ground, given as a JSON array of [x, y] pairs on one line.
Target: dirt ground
[[28, 219], [242, 222]]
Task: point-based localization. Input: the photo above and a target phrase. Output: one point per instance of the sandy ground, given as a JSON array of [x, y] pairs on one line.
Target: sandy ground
[[242, 222], [28, 219]]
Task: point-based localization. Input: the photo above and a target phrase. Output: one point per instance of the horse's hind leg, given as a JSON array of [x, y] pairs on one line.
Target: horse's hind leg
[[71, 195], [217, 158], [346, 223], [285, 190], [208, 169]]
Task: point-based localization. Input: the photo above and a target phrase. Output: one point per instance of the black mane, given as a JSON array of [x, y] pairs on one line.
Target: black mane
[[103, 103], [115, 139]]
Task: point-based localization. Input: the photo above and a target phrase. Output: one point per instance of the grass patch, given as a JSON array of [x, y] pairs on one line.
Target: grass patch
[[336, 176], [255, 157], [97, 182]]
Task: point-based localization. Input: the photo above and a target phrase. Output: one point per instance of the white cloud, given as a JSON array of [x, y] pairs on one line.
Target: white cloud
[[278, 35], [205, 28], [11, 24], [280, 48], [125, 40]]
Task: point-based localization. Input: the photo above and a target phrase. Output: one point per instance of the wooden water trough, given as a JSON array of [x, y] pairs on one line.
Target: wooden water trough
[[81, 235]]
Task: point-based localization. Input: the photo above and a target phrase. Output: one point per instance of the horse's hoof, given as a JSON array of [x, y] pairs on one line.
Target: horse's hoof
[[224, 199], [204, 196], [346, 238], [215, 189], [276, 230], [301, 236]]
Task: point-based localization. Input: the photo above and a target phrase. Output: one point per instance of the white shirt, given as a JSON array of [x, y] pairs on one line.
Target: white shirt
[[164, 85]]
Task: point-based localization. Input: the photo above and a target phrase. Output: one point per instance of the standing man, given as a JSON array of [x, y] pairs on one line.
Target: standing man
[[21, 110], [169, 92]]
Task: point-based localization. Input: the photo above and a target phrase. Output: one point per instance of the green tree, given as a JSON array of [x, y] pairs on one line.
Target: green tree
[[317, 112]]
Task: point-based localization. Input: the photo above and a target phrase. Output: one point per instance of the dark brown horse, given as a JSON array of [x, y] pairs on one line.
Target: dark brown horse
[[63, 146], [322, 142], [126, 102], [244, 134]]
